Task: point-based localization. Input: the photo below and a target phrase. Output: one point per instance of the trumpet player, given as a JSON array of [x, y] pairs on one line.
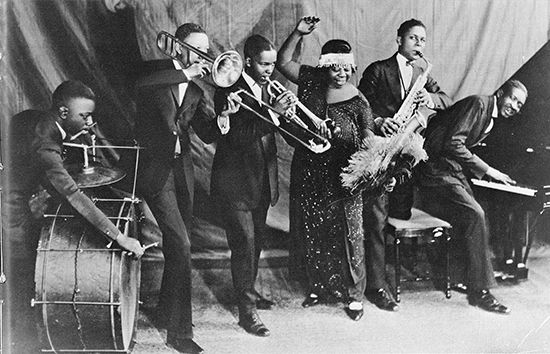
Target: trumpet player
[[244, 172], [386, 84], [170, 101]]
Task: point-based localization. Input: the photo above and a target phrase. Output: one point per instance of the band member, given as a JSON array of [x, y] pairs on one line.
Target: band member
[[244, 173], [386, 84], [325, 219], [34, 156], [445, 190], [169, 102]]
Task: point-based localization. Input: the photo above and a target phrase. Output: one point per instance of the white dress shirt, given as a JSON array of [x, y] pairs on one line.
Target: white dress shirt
[[182, 88]]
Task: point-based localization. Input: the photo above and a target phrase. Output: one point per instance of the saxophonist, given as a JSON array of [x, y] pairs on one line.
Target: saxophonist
[[386, 84]]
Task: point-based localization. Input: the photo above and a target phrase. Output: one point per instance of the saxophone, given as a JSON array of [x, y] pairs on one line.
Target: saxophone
[[379, 158], [408, 112]]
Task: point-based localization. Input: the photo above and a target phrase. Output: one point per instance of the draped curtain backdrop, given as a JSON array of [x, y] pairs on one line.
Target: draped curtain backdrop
[[474, 45]]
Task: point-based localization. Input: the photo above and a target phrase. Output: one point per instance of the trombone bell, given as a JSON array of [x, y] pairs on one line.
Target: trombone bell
[[226, 68]]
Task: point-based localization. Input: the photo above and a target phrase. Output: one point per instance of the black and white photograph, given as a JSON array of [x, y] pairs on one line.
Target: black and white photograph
[[274, 176]]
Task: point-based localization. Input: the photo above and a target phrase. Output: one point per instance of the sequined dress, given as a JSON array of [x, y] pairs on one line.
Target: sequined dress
[[325, 220]]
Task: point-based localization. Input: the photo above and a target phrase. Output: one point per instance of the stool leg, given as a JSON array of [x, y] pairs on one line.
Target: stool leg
[[447, 239], [397, 268]]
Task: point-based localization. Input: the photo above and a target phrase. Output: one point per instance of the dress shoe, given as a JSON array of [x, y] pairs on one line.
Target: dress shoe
[[311, 300], [355, 310], [383, 300], [252, 324], [486, 301], [184, 345], [264, 304], [459, 288]]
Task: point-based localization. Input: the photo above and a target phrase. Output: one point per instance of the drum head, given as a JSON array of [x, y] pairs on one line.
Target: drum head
[[86, 293]]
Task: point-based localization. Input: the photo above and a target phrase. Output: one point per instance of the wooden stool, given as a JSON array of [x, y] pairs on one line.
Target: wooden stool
[[421, 224]]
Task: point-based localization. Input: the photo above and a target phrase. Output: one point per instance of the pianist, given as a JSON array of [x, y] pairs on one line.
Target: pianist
[[444, 188]]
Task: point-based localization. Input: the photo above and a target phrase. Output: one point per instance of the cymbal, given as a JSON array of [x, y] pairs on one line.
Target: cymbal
[[95, 175]]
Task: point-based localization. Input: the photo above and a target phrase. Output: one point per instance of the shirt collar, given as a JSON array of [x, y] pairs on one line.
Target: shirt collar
[[63, 133], [401, 60], [495, 109], [177, 65], [249, 80]]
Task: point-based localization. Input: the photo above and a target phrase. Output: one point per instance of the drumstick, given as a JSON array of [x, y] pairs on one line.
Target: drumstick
[[154, 244]]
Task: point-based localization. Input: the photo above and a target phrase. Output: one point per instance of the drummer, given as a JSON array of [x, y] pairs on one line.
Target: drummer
[[34, 156]]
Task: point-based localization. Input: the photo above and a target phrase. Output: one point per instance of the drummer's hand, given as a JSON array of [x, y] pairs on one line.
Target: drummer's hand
[[131, 245]]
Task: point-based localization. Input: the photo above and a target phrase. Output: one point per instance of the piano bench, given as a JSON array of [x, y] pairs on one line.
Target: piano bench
[[429, 228]]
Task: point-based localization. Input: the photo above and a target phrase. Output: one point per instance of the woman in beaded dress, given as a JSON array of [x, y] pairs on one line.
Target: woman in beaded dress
[[325, 219]]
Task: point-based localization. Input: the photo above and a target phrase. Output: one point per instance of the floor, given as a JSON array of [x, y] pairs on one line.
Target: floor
[[426, 322]]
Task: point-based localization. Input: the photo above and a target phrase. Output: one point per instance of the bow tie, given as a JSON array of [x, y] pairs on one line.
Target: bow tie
[[409, 63]]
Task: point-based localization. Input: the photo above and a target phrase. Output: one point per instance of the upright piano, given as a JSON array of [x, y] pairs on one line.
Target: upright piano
[[520, 147]]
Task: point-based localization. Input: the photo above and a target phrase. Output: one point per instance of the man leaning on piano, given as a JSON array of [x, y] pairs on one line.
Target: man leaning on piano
[[443, 183]]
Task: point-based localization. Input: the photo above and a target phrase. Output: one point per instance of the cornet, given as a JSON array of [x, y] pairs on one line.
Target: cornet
[[225, 70]]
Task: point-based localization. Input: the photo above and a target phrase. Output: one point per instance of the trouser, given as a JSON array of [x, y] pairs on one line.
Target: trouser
[[375, 216], [455, 203], [21, 233], [245, 235], [169, 206]]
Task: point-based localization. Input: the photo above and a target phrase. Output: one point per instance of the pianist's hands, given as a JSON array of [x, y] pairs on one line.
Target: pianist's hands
[[499, 176]]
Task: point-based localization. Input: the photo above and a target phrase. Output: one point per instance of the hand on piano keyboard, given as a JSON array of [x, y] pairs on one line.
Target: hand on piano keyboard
[[499, 176]]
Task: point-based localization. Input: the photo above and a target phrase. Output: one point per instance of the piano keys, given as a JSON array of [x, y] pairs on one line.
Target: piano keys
[[517, 189], [513, 210]]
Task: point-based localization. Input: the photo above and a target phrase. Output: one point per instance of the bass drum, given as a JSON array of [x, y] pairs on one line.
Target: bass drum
[[87, 293]]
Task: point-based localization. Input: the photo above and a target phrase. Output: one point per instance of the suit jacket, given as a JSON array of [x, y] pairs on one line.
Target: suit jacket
[[449, 137], [35, 157], [381, 86], [246, 157], [161, 121]]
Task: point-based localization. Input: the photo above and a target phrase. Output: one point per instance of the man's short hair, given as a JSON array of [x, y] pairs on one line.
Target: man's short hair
[[186, 29], [407, 25], [256, 44], [511, 84], [71, 89]]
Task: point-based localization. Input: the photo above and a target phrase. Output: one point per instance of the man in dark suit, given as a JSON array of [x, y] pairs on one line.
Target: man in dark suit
[[34, 157], [386, 84], [168, 103], [244, 173], [445, 191]]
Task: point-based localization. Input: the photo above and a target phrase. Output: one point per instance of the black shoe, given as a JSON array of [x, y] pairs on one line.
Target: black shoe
[[354, 314], [459, 288], [264, 304], [311, 300], [184, 345], [486, 301], [383, 300], [252, 324]]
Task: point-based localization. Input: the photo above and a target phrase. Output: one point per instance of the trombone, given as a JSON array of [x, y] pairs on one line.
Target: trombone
[[225, 70]]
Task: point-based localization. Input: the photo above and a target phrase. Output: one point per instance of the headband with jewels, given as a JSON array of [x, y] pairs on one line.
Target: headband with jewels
[[338, 59]]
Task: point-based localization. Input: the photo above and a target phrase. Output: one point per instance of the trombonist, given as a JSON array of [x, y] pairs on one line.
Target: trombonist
[[244, 172], [169, 102], [35, 148]]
